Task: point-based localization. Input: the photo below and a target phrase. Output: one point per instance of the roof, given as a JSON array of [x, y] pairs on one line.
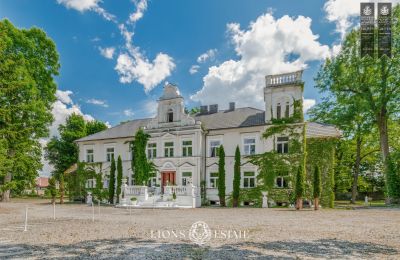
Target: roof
[[315, 130], [240, 117], [126, 129], [42, 182]]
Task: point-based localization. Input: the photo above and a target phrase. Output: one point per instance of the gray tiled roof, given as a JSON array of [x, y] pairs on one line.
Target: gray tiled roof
[[315, 129], [126, 129], [240, 117]]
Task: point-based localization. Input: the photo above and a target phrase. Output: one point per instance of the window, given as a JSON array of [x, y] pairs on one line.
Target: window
[[152, 182], [89, 155], [109, 154], [287, 110], [214, 145], [249, 180], [169, 149], [282, 145], [278, 111], [213, 180], [170, 116], [186, 148], [90, 183], [249, 146], [280, 182], [186, 178], [151, 150]]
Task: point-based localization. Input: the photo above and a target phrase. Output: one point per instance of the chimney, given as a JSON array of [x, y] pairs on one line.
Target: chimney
[[231, 106], [213, 108], [203, 110]]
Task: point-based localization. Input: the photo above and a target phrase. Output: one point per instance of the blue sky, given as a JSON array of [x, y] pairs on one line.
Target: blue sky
[[115, 77]]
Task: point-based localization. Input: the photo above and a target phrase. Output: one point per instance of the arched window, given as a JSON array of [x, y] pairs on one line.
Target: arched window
[[278, 111], [170, 116], [287, 110]]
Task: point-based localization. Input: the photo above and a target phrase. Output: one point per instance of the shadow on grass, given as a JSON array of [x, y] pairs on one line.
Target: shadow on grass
[[132, 248]]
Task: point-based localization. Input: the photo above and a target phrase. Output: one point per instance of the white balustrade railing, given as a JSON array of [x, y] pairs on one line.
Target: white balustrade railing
[[178, 190], [285, 78], [135, 190]]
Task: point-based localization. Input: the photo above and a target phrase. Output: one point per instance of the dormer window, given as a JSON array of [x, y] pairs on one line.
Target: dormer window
[[170, 116], [278, 111], [287, 110]]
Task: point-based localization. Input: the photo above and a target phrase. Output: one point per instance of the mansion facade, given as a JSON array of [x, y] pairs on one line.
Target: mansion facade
[[183, 147]]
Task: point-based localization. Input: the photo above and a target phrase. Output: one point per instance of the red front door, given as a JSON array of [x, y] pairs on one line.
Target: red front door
[[168, 178]]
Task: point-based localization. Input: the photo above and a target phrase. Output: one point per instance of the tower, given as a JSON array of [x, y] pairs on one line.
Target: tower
[[170, 105], [282, 94]]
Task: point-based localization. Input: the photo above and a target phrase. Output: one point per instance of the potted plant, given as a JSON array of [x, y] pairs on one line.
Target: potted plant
[[133, 200], [174, 196]]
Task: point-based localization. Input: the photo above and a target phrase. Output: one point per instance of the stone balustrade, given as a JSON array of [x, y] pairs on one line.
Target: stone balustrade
[[178, 190], [285, 78]]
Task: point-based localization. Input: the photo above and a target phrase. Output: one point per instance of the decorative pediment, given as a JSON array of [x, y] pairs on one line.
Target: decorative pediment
[[186, 164], [168, 166]]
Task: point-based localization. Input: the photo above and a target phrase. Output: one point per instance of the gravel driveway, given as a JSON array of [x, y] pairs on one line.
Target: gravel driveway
[[166, 234]]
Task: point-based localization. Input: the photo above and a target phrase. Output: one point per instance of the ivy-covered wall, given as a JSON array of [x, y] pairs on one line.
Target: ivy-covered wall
[[321, 152]]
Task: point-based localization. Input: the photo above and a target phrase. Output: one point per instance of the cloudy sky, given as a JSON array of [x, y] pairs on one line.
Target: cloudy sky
[[117, 55]]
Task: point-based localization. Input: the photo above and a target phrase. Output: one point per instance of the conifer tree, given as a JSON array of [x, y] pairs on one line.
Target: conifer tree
[[119, 177], [111, 187], [236, 178], [299, 189], [316, 187], [221, 176]]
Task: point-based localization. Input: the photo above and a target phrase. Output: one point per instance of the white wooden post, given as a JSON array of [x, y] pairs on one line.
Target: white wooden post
[[54, 210], [26, 219], [92, 212]]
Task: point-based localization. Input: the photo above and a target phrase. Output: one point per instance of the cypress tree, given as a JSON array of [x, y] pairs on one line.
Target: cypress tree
[[111, 187], [236, 178], [316, 187], [221, 176], [141, 166], [119, 177], [299, 189]]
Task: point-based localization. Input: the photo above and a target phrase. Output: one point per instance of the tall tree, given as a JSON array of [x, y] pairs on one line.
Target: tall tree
[[236, 178], [111, 187], [356, 123], [316, 187], [300, 187], [62, 152], [119, 177], [28, 63], [142, 167], [374, 81], [221, 176]]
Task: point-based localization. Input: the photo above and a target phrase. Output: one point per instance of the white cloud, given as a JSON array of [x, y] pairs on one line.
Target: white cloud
[[208, 55], [107, 52], [262, 49], [129, 112], [97, 102], [307, 104], [141, 6], [87, 5], [64, 96], [62, 108], [194, 69], [136, 67], [343, 12]]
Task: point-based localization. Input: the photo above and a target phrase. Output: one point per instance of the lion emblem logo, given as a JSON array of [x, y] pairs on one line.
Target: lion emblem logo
[[367, 10], [200, 233], [384, 10]]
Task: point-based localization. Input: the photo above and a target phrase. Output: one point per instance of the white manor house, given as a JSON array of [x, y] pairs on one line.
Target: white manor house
[[183, 147]]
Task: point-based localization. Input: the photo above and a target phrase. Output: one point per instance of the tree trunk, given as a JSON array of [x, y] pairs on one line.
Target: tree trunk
[[356, 170], [62, 188], [384, 142], [299, 203], [316, 203], [6, 194], [235, 203]]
